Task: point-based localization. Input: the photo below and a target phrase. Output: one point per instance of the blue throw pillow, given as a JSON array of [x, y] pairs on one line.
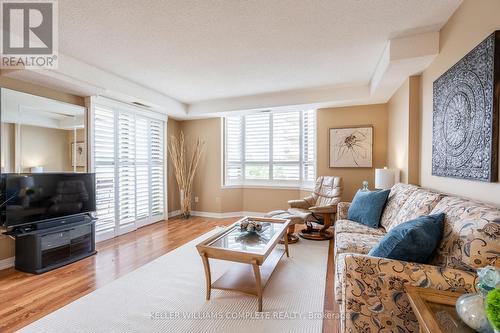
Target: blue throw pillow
[[367, 207], [413, 241]]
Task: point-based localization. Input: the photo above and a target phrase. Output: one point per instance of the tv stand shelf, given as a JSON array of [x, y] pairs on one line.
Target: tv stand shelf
[[64, 241]]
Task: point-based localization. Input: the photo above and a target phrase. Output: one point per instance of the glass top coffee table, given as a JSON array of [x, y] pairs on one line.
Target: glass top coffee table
[[257, 249]]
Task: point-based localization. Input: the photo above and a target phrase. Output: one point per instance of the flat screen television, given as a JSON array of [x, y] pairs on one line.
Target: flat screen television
[[31, 198]]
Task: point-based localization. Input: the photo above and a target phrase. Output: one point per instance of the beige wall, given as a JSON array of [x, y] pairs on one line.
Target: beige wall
[[207, 184], [40, 146], [213, 198], [403, 148], [47, 147], [375, 115], [173, 129], [470, 24]]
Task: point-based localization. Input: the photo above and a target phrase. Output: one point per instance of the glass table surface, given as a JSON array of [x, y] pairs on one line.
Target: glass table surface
[[245, 241], [448, 319]]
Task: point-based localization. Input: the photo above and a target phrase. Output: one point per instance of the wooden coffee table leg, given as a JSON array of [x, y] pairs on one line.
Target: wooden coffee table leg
[[292, 237], [208, 277], [258, 283]]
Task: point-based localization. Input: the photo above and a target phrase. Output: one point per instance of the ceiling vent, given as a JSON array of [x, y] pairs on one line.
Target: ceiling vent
[[142, 105]]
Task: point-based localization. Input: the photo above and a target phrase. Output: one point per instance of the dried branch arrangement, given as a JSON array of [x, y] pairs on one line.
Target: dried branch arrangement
[[184, 170]]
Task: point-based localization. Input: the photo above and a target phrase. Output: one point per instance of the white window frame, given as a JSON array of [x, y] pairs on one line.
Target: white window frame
[[117, 106], [269, 183]]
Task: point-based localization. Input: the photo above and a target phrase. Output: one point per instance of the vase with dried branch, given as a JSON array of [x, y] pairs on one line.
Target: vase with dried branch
[[184, 169]]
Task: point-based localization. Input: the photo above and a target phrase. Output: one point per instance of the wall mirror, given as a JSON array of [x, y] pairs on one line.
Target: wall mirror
[[41, 135]]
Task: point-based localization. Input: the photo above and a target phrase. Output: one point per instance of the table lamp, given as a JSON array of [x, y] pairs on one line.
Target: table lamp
[[384, 178]]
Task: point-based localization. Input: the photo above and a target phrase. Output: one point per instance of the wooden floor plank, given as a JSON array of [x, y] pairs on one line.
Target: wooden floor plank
[[25, 298]]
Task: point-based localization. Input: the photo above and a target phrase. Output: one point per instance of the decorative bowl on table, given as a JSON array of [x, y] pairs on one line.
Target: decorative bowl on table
[[251, 226], [471, 308]]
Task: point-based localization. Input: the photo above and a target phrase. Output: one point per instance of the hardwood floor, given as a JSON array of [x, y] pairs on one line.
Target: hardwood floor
[[24, 297]]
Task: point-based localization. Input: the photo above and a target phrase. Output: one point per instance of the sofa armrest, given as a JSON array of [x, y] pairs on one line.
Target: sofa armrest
[[301, 203], [373, 291], [342, 209]]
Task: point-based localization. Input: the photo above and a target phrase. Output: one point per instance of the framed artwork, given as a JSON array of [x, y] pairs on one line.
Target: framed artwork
[[79, 149], [351, 147], [465, 115]]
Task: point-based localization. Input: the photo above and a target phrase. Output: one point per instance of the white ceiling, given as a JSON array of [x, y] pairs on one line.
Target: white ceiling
[[199, 50]]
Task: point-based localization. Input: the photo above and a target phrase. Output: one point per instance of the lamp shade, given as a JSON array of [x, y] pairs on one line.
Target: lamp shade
[[384, 178]]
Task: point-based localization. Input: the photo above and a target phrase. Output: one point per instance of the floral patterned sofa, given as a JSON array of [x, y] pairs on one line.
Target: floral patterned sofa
[[371, 290]]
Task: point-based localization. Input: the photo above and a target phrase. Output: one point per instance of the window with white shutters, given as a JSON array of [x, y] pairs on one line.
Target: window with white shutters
[[309, 147], [128, 161], [270, 148], [104, 160], [142, 168], [156, 138]]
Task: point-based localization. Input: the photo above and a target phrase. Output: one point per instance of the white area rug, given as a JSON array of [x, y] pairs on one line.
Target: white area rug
[[168, 295]]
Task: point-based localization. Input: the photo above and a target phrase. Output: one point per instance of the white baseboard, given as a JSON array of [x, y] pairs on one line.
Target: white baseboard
[[174, 213], [226, 215], [7, 263]]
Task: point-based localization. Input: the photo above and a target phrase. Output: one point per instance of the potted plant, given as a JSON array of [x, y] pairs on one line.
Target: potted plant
[[472, 308], [184, 169], [493, 308]]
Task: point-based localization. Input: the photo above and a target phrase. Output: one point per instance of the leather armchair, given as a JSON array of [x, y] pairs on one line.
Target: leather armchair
[[323, 201]]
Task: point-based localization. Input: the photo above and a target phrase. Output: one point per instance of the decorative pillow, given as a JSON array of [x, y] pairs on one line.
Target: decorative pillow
[[367, 207], [412, 241]]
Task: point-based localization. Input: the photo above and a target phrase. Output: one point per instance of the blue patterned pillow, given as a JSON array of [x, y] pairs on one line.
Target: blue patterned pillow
[[367, 207], [412, 241]]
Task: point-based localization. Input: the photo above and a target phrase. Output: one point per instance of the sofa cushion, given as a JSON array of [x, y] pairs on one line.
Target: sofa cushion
[[355, 243], [420, 202], [367, 207], [412, 241], [355, 227], [398, 196], [471, 237]]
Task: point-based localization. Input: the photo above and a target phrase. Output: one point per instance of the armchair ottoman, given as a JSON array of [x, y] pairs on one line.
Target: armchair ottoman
[[323, 201], [294, 219]]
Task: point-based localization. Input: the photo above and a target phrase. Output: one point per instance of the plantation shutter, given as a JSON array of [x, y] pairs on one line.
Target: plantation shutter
[[257, 139], [128, 153], [157, 169], [142, 168], [309, 146], [234, 149], [286, 146], [104, 159], [126, 168], [270, 148]]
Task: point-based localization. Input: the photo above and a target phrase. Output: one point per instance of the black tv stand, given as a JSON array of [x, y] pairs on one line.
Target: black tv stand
[[51, 244]]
